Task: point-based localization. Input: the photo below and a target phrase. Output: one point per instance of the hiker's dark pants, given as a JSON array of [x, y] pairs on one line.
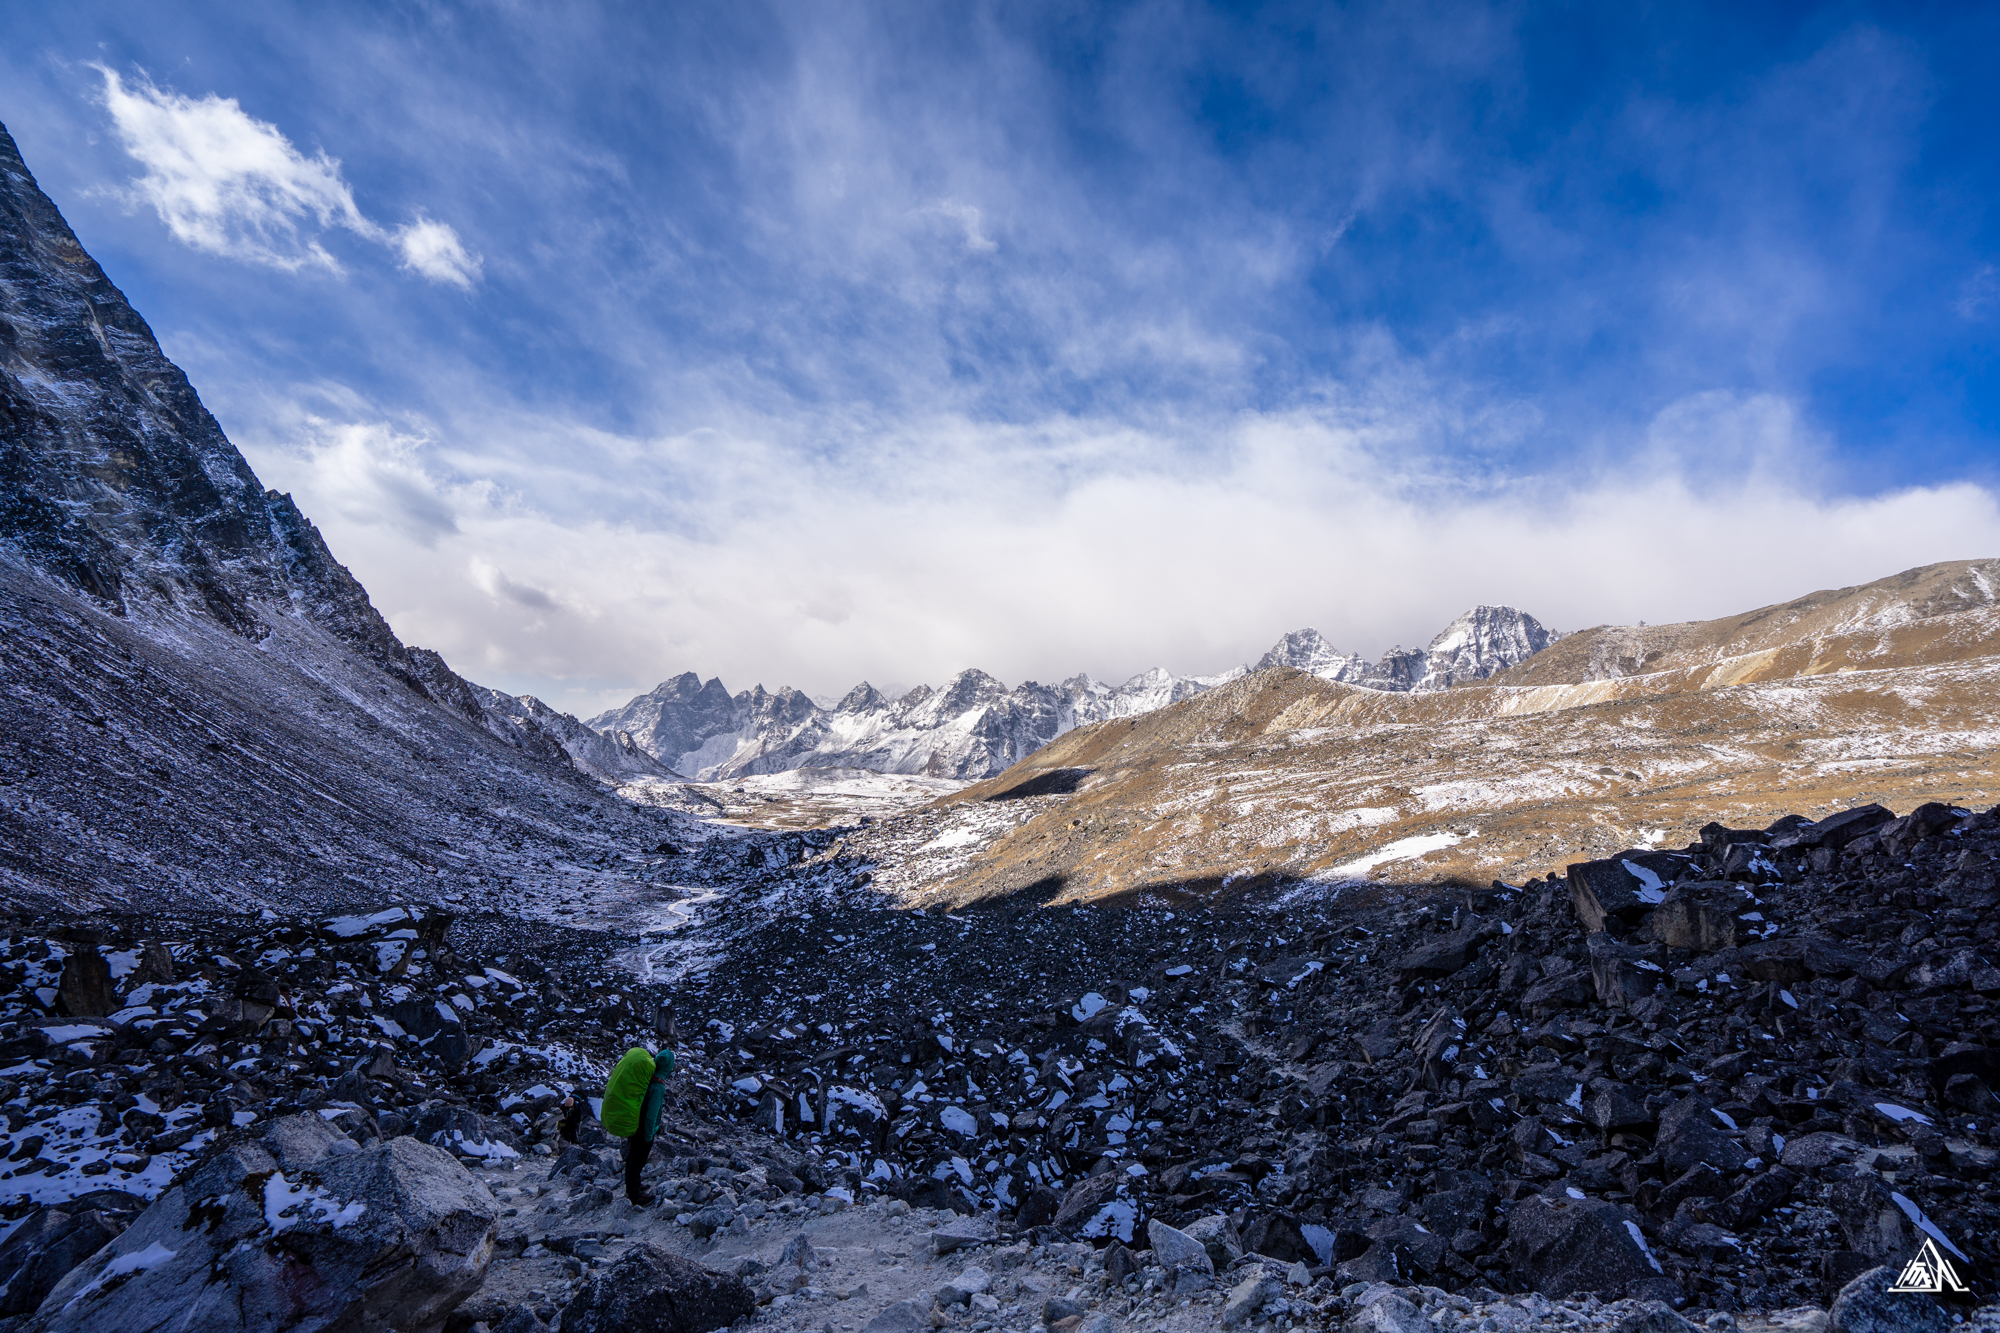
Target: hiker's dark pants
[[637, 1150]]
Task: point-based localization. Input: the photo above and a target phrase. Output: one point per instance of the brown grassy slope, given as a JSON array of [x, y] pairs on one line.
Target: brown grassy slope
[[1904, 619], [1283, 773]]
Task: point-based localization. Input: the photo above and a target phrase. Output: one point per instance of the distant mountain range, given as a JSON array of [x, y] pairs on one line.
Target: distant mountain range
[[975, 726]]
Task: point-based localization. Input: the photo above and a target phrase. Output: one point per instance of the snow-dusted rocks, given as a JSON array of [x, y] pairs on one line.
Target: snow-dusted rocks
[[975, 725], [972, 727], [1484, 640], [296, 1230]]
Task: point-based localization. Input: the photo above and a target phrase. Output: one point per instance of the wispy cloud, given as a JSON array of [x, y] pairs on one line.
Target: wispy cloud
[[225, 182]]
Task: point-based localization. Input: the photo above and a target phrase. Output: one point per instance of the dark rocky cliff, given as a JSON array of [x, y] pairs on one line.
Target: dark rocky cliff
[[199, 705]]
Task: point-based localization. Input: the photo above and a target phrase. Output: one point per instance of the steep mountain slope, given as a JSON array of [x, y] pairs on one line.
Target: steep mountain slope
[[1286, 775], [975, 726], [198, 703], [1936, 613]]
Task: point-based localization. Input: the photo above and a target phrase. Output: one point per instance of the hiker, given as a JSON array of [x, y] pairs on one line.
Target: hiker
[[634, 1096]]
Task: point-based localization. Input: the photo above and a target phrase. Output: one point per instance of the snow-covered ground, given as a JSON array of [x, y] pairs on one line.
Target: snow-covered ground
[[796, 798]]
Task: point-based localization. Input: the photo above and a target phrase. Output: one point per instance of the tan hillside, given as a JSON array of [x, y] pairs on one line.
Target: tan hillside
[[1889, 692], [1937, 613]]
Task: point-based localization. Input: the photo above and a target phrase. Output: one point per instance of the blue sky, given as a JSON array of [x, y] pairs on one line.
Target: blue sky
[[810, 343]]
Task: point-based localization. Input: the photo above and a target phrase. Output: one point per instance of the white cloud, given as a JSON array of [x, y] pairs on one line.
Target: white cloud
[[434, 250], [225, 182], [1039, 551]]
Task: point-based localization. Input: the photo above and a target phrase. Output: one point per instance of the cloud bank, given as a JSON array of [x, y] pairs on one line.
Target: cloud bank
[[227, 183], [1065, 546]]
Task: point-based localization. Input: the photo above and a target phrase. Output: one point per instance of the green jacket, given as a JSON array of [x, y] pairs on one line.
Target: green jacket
[[656, 1096]]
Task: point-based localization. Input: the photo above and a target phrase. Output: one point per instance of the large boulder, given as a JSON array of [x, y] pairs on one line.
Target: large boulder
[[1701, 916], [1217, 1235], [297, 1230], [47, 1245], [1173, 1248], [1866, 1305], [1619, 891], [1570, 1247], [1098, 1207], [650, 1290]]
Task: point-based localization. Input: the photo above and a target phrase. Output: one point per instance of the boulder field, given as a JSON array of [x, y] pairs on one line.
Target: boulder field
[[1744, 1077]]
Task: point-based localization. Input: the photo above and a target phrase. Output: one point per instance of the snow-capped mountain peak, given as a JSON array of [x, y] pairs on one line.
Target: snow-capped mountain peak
[[974, 725]]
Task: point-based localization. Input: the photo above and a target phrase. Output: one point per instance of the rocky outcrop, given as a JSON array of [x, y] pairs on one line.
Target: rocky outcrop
[[652, 1291], [1480, 643], [198, 704], [298, 1229]]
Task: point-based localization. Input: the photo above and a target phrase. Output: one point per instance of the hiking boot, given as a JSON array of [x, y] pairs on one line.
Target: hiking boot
[[642, 1199]]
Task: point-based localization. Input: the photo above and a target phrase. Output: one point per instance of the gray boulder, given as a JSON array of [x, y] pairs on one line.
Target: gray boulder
[[901, 1317], [1381, 1309], [964, 1233], [1248, 1297], [1866, 1305], [297, 1230], [650, 1290], [1174, 1248], [1217, 1234]]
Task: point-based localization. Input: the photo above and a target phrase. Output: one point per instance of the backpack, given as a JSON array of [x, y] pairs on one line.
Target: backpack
[[625, 1093]]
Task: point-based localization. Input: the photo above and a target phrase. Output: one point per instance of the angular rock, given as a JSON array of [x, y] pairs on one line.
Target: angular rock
[[1866, 1305], [1758, 1196], [1443, 958], [84, 988], [1623, 974], [1382, 1310], [964, 1287], [1248, 1297], [1564, 990], [1217, 1235], [1837, 831], [1691, 1135], [1701, 916], [298, 1230], [1174, 1248], [45, 1247], [1058, 1308], [963, 1233], [1276, 1236], [1569, 1247], [1082, 1200], [650, 1290], [1611, 891]]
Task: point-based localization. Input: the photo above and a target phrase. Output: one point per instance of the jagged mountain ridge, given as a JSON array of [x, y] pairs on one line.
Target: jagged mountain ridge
[[199, 705], [975, 726], [1483, 641]]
